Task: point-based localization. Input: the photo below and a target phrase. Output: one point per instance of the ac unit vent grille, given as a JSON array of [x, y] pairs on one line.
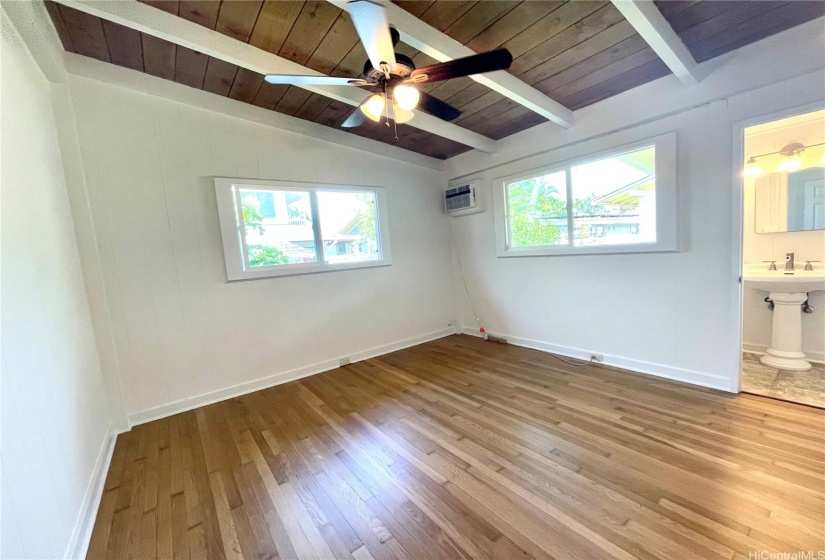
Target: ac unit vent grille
[[459, 198]]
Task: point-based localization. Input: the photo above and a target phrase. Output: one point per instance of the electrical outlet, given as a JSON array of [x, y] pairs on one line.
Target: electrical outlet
[[598, 358], [344, 362]]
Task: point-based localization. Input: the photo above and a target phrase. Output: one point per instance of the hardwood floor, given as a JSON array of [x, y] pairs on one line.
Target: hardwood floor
[[461, 448]]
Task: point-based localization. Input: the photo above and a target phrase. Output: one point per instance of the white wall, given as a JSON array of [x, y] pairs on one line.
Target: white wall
[[758, 247], [670, 314], [55, 417], [183, 335]]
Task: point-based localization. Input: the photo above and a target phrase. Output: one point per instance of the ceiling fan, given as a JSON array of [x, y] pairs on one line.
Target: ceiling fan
[[393, 76]]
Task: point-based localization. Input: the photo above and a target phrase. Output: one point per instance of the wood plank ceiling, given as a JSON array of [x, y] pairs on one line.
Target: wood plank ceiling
[[578, 52]]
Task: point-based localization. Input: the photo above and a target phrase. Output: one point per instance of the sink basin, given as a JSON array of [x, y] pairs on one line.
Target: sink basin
[[778, 281], [787, 294]]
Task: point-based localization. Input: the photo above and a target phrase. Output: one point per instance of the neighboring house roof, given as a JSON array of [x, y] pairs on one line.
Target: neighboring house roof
[[347, 232], [351, 225], [628, 194]]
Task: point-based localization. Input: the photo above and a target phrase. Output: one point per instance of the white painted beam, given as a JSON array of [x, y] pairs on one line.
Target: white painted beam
[[441, 47], [37, 30], [180, 31], [649, 22]]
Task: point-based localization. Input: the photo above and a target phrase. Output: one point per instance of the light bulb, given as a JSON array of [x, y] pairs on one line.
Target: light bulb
[[373, 107], [752, 169], [406, 97], [790, 164], [402, 115]]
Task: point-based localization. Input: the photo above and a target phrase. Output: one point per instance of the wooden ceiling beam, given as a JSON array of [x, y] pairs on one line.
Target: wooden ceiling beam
[[649, 22], [149, 20], [442, 47]]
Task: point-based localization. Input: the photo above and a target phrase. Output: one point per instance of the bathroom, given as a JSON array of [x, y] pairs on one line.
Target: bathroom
[[783, 339]]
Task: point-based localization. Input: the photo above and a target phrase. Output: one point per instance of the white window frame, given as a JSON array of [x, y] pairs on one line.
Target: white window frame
[[233, 234], [667, 222]]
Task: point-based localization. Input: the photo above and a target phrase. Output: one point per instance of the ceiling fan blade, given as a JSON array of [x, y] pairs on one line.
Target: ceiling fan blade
[[500, 59], [437, 108], [373, 29], [299, 80], [355, 118]]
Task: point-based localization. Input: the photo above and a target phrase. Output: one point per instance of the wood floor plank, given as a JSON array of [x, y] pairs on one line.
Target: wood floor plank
[[461, 448]]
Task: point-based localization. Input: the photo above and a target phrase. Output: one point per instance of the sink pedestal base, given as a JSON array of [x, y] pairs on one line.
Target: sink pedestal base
[[786, 339]]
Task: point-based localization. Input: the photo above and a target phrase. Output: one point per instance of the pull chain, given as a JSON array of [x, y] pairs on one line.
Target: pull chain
[[394, 121], [386, 107]]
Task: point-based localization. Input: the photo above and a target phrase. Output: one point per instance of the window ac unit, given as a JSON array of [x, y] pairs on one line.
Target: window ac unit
[[462, 199]]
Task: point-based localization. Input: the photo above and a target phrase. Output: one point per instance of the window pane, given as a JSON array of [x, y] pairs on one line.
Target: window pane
[[278, 227], [349, 226], [614, 199], [537, 211], [266, 203]]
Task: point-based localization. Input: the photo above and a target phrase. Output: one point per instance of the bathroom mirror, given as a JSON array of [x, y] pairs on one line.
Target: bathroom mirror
[[790, 201]]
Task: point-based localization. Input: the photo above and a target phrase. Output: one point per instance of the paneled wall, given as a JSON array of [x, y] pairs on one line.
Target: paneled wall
[[655, 312], [670, 314], [184, 335], [55, 417]]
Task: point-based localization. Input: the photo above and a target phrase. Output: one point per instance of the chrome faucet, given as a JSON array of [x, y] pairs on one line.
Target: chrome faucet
[[788, 263]]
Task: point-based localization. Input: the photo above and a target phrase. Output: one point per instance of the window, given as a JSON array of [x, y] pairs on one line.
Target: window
[[619, 201], [271, 228]]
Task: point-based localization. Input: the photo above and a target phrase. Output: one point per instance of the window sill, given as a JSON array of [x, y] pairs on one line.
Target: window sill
[[300, 270], [593, 250]]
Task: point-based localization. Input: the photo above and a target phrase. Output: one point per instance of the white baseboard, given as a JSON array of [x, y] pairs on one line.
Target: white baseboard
[[639, 366], [277, 379], [82, 533], [816, 357]]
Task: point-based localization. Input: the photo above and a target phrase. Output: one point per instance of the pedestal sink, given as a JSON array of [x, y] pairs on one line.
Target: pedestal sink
[[788, 292]]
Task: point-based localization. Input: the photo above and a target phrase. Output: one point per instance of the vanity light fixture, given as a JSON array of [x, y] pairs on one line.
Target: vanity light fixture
[[789, 165], [752, 168], [790, 159], [791, 154]]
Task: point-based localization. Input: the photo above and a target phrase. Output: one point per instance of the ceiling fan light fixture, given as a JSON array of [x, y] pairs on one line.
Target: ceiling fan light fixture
[[373, 107], [406, 97]]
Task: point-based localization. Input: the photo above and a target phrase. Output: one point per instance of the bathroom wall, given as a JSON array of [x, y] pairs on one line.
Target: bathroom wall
[[807, 245]]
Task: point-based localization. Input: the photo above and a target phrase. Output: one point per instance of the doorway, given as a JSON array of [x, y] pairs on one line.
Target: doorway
[[782, 237]]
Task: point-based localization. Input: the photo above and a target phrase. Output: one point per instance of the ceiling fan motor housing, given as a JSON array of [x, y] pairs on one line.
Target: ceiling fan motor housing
[[403, 67]]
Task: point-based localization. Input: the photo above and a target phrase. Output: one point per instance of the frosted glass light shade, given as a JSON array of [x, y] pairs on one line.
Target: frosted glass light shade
[[406, 97], [790, 164], [753, 171], [373, 107], [402, 115]]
